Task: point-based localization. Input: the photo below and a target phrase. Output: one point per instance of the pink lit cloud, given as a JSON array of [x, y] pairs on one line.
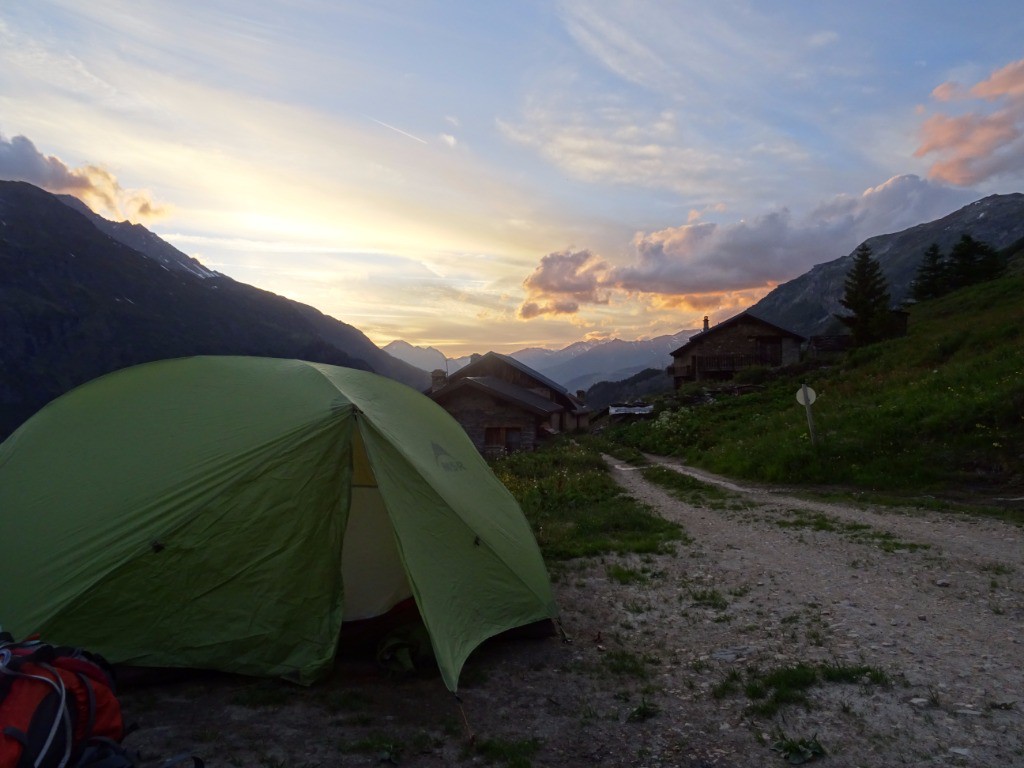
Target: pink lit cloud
[[561, 282], [979, 144]]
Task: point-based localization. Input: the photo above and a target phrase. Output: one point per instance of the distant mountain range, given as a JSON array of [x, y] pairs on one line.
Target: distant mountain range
[[576, 367], [808, 303], [81, 296], [425, 358]]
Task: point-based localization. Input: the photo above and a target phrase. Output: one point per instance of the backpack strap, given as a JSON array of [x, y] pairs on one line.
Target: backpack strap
[[63, 718], [90, 693]]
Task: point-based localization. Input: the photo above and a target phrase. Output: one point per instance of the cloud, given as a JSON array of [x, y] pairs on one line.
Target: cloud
[[704, 265], [95, 186], [823, 39], [615, 144], [978, 145], [1008, 81], [948, 92], [561, 282], [705, 257]]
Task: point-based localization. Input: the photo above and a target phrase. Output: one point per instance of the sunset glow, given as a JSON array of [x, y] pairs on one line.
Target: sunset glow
[[510, 175]]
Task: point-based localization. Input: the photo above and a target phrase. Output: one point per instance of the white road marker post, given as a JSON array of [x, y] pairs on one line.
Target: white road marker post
[[805, 396]]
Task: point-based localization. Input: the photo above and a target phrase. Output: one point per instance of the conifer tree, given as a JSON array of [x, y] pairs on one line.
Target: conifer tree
[[929, 283], [963, 263], [973, 261], [866, 295], [991, 263]]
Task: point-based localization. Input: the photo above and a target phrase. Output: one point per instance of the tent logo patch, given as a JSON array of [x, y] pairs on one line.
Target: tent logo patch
[[445, 460]]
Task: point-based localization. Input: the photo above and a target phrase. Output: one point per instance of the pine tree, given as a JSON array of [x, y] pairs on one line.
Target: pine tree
[[973, 261], [866, 295], [929, 283], [963, 263], [991, 263]]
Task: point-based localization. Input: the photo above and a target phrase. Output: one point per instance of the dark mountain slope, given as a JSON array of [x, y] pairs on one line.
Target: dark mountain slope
[[807, 303], [76, 303], [141, 239]]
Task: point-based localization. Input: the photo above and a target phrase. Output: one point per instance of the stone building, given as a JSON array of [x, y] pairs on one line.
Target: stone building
[[742, 341], [505, 405]]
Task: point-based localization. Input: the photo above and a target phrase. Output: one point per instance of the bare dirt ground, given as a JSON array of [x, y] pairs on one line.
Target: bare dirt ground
[[665, 647]]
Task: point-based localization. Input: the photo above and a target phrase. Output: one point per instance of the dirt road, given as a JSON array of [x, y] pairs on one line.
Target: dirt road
[[677, 659]]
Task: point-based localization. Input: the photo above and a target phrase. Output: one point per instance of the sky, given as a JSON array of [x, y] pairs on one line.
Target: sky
[[486, 175]]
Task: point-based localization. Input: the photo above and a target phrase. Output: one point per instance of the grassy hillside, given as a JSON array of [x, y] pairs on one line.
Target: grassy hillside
[[939, 411]]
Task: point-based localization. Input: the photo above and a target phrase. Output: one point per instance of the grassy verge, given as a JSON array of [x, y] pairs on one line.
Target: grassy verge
[[690, 490], [576, 509]]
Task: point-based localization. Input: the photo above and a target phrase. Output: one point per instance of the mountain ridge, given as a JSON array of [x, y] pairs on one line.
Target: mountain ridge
[[576, 366], [76, 303], [807, 303]]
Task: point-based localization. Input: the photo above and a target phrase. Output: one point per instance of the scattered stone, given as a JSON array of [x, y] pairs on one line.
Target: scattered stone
[[730, 654], [971, 712], [942, 582], [962, 751], [919, 702], [922, 617]]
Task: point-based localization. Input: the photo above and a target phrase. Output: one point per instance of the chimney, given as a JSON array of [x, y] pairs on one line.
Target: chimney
[[474, 357], [581, 395], [438, 379], [705, 322]]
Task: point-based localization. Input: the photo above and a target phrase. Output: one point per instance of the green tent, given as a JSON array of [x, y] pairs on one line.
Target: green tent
[[230, 512]]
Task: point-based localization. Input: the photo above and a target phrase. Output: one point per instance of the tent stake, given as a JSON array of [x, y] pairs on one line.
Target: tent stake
[[470, 736]]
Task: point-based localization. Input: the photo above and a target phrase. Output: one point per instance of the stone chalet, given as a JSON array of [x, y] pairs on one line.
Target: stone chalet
[[506, 406], [742, 341]]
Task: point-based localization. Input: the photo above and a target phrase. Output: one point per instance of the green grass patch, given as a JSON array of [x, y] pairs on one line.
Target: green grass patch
[[861, 532], [645, 710], [625, 664], [575, 507], [688, 489], [624, 575], [709, 598], [786, 685], [860, 673], [728, 686], [797, 751], [515, 753], [770, 691]]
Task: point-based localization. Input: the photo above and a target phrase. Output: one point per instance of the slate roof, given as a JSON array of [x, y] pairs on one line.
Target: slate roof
[[577, 406], [503, 390], [732, 321]]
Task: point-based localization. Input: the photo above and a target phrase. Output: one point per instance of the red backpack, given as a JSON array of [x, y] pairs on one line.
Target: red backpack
[[54, 702]]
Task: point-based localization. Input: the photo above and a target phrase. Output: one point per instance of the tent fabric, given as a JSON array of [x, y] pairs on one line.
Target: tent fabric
[[230, 512]]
